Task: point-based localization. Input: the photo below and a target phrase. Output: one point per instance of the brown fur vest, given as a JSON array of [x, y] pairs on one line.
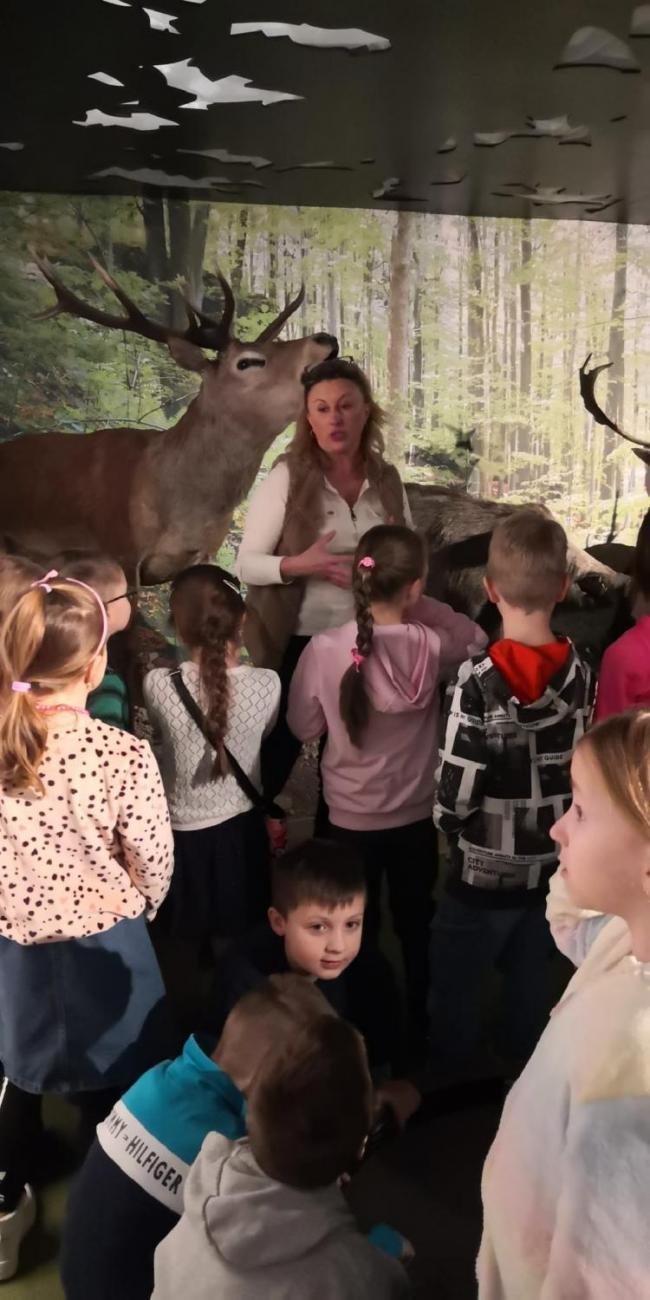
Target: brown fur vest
[[272, 611]]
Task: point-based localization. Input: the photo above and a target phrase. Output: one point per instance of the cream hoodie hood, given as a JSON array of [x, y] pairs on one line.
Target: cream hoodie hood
[[243, 1237]]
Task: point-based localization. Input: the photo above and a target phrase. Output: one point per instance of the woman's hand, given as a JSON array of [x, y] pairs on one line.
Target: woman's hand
[[318, 561]]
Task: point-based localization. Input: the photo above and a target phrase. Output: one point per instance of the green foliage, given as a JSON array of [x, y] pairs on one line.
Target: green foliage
[[503, 313]]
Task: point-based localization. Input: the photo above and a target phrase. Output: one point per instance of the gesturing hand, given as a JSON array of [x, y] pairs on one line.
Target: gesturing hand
[[318, 561]]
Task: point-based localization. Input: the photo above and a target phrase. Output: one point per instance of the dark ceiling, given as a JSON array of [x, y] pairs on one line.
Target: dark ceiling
[[454, 68]]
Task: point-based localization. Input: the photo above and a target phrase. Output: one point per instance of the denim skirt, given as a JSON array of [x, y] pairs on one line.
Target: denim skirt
[[82, 1014]]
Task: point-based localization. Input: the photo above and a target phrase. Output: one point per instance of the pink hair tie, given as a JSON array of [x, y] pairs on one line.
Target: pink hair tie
[[54, 573], [366, 563], [21, 687], [357, 658]]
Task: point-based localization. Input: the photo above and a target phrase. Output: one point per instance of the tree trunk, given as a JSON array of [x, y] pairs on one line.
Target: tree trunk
[[615, 348], [417, 374], [155, 243], [401, 257], [239, 252], [180, 238], [475, 344], [198, 238]]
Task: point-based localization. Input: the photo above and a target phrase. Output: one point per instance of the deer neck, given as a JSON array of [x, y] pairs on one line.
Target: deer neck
[[210, 455]]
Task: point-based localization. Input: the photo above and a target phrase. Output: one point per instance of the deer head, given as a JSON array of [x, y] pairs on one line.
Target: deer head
[[588, 394], [245, 378], [158, 498]]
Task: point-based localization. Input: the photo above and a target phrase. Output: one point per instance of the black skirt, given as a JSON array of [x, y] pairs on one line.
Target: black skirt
[[221, 881]]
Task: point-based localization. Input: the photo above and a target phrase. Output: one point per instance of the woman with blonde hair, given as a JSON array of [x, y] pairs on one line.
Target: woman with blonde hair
[[85, 855], [303, 525], [565, 1184]]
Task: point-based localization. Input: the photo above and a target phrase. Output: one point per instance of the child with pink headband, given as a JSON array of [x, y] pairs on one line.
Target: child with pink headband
[[85, 856], [373, 685]]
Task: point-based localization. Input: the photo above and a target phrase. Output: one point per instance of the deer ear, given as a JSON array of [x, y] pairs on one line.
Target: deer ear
[[187, 354]]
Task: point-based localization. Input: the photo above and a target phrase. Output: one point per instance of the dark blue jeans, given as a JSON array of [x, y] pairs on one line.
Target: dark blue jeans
[[466, 942]]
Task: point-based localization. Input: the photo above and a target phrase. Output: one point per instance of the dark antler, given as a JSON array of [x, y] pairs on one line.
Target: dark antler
[[202, 330], [274, 328], [588, 394]]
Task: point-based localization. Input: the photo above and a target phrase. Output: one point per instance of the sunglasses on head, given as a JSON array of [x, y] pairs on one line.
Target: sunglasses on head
[[125, 595]]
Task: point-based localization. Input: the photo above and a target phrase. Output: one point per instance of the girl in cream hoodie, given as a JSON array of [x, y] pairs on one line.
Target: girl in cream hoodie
[[373, 686], [565, 1185]]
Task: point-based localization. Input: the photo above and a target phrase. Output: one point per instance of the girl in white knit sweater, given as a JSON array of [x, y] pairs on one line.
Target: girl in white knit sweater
[[221, 871], [565, 1185]]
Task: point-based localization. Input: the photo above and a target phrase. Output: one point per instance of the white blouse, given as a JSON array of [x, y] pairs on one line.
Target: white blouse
[[324, 605]]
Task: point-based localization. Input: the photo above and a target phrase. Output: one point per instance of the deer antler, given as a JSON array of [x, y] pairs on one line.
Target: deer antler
[[271, 331], [588, 394], [202, 330]]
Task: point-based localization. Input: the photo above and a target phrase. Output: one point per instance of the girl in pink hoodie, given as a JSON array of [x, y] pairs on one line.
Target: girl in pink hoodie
[[373, 685]]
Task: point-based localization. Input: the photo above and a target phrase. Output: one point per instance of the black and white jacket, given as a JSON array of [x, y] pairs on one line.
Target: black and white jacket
[[504, 779]]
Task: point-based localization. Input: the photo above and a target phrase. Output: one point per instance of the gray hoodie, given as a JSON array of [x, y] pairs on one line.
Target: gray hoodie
[[245, 1237]]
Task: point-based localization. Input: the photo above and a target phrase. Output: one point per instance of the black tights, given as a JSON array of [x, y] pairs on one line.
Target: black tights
[[21, 1133]]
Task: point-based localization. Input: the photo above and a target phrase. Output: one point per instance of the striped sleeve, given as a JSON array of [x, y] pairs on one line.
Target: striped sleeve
[[463, 756]]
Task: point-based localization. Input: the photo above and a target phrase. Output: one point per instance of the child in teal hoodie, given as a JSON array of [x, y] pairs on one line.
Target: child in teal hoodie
[[128, 1194]]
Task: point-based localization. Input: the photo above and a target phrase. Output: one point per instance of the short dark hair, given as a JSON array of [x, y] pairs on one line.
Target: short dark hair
[[317, 871], [310, 1111], [98, 570], [527, 559]]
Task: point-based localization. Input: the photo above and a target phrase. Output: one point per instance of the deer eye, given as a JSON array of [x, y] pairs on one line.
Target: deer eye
[[245, 362]]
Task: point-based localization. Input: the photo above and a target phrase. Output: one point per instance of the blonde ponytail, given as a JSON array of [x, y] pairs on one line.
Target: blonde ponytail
[[47, 641], [23, 731]]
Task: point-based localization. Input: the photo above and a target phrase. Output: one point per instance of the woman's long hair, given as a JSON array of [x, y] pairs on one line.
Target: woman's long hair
[[208, 611], [47, 639], [398, 558]]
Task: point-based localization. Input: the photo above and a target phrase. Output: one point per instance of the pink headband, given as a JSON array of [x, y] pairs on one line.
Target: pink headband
[[44, 583]]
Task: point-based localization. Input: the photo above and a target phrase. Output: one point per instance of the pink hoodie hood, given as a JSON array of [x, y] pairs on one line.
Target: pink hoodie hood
[[402, 672], [389, 779]]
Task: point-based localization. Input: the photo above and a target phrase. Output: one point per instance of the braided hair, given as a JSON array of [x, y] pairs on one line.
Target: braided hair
[[208, 611], [388, 558]]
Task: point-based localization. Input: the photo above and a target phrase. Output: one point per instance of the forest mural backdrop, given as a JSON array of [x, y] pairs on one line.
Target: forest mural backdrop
[[463, 323]]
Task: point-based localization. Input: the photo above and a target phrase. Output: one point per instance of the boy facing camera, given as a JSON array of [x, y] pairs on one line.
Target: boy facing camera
[[265, 1216], [315, 928]]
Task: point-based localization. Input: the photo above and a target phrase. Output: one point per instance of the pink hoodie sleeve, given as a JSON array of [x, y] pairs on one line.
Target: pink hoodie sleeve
[[460, 638], [614, 694], [305, 717]]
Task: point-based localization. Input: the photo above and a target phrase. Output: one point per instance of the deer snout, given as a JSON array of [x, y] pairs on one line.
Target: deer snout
[[328, 340]]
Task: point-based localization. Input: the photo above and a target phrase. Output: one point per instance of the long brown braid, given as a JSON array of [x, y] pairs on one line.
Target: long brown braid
[[397, 559], [208, 611]]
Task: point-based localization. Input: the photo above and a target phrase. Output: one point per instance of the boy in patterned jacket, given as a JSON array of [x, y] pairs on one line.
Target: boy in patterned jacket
[[513, 719]]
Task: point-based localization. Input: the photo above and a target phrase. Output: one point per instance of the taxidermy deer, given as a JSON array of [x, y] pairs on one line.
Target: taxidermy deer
[[458, 527], [158, 500], [588, 394]]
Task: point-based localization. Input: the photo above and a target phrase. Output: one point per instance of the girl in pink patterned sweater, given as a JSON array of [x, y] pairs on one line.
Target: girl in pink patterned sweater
[[373, 685], [85, 855]]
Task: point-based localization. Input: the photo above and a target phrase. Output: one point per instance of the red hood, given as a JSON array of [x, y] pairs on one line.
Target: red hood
[[528, 669]]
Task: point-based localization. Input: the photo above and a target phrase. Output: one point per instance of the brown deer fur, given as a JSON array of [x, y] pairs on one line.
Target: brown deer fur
[[158, 500]]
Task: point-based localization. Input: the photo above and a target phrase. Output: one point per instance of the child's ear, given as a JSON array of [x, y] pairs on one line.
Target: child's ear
[[491, 591], [564, 588], [277, 922]]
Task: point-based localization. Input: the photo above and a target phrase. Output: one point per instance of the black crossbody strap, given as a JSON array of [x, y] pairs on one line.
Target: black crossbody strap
[[243, 780]]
